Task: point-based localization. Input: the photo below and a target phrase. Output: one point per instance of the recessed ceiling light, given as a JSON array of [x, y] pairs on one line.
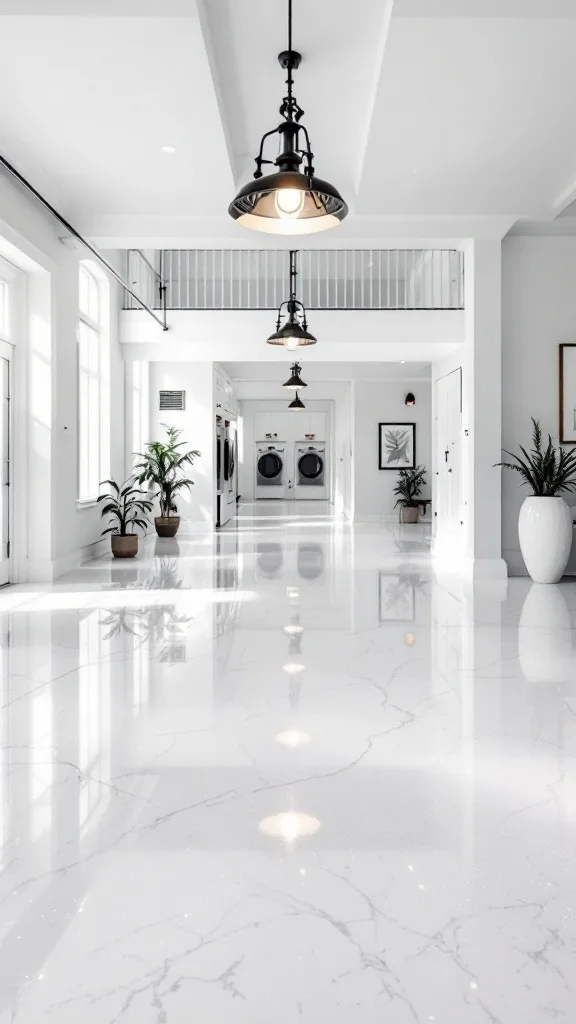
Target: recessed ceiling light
[[168, 149]]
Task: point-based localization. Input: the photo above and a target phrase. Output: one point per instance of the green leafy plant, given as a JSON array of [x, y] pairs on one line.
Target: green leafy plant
[[127, 507], [547, 470], [409, 486], [163, 464]]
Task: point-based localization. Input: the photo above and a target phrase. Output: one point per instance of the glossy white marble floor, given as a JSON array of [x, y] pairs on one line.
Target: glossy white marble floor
[[285, 774]]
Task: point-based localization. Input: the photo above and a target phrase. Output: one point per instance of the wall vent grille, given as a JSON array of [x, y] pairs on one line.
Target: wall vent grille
[[175, 400]]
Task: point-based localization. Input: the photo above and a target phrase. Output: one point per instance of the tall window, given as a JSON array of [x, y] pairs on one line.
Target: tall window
[[93, 385]]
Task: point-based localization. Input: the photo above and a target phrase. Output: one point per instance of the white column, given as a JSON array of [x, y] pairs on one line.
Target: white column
[[482, 410]]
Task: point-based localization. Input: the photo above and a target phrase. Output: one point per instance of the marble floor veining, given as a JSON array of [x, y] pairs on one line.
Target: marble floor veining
[[289, 772]]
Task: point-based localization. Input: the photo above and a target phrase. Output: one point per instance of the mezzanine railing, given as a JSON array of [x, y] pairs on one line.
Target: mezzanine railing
[[379, 279]]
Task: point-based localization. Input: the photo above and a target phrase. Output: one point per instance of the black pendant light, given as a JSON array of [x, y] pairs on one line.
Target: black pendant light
[[295, 382], [291, 201], [294, 332], [297, 403]]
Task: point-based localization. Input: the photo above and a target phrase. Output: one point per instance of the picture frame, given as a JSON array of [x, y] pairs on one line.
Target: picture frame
[[396, 446], [396, 598], [567, 392]]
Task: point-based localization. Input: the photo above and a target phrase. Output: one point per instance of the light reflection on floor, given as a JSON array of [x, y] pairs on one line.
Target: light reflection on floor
[[193, 829]]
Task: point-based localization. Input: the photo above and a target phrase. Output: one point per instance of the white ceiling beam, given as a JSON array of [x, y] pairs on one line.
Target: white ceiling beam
[[369, 111], [205, 28], [357, 231]]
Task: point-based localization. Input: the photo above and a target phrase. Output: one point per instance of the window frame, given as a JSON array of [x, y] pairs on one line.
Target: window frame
[[86, 377]]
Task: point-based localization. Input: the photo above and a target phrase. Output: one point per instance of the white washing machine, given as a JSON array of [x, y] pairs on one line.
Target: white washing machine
[[271, 471], [310, 471]]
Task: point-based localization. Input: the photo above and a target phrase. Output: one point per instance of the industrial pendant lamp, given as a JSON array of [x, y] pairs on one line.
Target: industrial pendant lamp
[[297, 403], [295, 382], [291, 201], [294, 333]]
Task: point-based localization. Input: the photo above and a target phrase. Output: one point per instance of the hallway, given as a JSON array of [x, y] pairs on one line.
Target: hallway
[[286, 773]]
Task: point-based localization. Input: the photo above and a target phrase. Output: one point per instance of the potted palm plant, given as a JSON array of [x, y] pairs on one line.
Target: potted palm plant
[[163, 465], [545, 523], [127, 508], [408, 489]]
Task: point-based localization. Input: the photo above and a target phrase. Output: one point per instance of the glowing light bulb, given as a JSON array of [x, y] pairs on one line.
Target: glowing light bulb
[[289, 826], [293, 668], [291, 343], [293, 738], [289, 202], [293, 629]]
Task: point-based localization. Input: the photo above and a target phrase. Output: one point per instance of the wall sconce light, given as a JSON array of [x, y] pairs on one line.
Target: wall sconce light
[[410, 399]]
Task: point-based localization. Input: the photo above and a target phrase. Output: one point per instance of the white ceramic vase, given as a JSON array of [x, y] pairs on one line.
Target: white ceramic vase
[[545, 532]]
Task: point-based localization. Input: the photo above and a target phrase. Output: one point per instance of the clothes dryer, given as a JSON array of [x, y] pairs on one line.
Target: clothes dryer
[[271, 471], [311, 471]]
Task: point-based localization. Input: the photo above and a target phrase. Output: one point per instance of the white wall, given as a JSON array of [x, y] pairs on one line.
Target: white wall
[[538, 312], [198, 424], [383, 402], [48, 398], [343, 453]]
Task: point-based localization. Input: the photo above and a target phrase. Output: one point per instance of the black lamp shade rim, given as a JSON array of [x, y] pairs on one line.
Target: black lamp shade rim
[[292, 330], [329, 199]]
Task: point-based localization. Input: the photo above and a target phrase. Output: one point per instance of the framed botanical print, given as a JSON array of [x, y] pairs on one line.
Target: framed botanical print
[[396, 446], [567, 382]]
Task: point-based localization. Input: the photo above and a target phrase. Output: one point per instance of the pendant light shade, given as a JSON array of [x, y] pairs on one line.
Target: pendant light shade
[[288, 203], [295, 382], [294, 332], [292, 336], [297, 403], [291, 200]]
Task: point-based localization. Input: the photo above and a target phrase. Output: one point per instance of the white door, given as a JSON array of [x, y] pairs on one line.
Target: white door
[[449, 452], [5, 361]]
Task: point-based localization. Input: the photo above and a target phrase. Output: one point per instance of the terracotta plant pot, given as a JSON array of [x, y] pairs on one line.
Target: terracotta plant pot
[[409, 514], [124, 546], [167, 526]]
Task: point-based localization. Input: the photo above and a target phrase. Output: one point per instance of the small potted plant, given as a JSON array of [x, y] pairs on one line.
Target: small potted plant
[[127, 508], [163, 464], [408, 489], [545, 524]]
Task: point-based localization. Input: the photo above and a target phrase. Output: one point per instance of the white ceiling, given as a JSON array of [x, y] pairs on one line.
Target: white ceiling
[[320, 372], [422, 112]]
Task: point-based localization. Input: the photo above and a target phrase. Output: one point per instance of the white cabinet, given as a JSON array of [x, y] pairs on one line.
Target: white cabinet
[[311, 423], [271, 426]]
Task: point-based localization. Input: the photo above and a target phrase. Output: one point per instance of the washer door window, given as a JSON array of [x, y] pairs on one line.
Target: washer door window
[[269, 468], [310, 467]]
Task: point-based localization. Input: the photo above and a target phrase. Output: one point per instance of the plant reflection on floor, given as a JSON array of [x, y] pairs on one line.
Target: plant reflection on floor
[[158, 625], [397, 593]]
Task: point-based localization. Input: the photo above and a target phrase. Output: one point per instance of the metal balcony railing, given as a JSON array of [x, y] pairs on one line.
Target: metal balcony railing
[[377, 279]]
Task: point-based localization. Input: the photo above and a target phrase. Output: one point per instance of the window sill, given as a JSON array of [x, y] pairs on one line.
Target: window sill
[[86, 503]]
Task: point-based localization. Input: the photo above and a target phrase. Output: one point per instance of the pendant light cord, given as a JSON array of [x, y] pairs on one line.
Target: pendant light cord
[[293, 274], [290, 51]]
